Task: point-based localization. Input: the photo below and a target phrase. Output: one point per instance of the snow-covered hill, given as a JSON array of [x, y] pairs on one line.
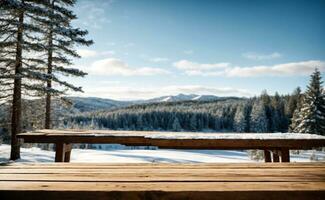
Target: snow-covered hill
[[88, 104], [183, 97], [85, 104]]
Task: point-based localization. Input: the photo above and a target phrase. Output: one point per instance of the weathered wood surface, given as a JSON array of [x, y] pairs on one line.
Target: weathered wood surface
[[153, 138], [163, 181]]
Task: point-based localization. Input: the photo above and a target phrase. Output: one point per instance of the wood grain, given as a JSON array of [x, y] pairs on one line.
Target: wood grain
[[163, 181]]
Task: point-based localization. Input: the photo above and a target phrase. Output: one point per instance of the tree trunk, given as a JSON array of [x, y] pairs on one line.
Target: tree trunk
[[16, 102], [49, 81], [48, 94]]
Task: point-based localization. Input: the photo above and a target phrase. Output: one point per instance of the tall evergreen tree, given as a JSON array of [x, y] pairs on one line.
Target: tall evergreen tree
[[311, 118], [296, 120], [176, 126], [18, 45], [60, 41], [266, 100], [241, 119], [294, 108], [259, 122], [279, 120], [294, 100]]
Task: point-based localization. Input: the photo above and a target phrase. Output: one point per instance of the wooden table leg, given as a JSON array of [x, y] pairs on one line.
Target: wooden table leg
[[275, 154], [285, 155], [59, 152], [68, 148], [267, 156], [62, 152]]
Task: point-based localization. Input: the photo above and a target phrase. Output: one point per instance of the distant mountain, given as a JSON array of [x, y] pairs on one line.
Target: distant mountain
[[88, 104], [183, 97]]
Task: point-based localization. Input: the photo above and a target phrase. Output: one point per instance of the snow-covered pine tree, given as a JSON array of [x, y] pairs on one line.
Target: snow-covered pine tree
[[60, 40], [193, 122], [266, 99], [311, 118], [279, 120], [240, 119], [176, 126], [258, 122], [295, 120], [19, 44], [294, 107], [293, 101]]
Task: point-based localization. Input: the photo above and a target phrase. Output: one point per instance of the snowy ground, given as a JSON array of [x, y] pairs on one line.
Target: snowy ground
[[146, 156]]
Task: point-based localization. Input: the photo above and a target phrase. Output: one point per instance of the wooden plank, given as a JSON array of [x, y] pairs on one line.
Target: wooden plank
[[154, 134], [160, 165], [161, 186], [210, 190], [165, 173], [166, 177], [234, 144], [145, 138], [90, 169], [163, 181]]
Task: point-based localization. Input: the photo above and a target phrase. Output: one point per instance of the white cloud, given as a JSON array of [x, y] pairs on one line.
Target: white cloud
[[113, 66], [286, 69], [127, 93], [85, 53], [257, 56], [193, 68], [188, 52], [158, 59], [226, 69]]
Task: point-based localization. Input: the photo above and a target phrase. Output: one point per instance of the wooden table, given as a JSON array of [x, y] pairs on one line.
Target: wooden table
[[244, 181], [276, 146]]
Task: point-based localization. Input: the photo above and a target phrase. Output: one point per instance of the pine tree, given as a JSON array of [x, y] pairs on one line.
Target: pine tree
[[294, 107], [294, 99], [279, 120], [259, 122], [60, 40], [176, 126], [296, 120], [266, 100], [311, 118], [18, 46], [193, 122], [240, 119]]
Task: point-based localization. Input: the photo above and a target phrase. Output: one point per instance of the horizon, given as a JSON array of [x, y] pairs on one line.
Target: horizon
[[147, 49]]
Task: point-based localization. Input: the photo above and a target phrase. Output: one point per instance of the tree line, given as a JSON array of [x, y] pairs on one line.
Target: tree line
[[298, 112], [260, 114], [37, 47]]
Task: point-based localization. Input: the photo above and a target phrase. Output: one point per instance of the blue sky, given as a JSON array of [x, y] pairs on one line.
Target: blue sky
[[149, 48]]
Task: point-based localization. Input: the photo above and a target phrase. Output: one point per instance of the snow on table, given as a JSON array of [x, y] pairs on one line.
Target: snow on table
[[167, 135], [244, 136]]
